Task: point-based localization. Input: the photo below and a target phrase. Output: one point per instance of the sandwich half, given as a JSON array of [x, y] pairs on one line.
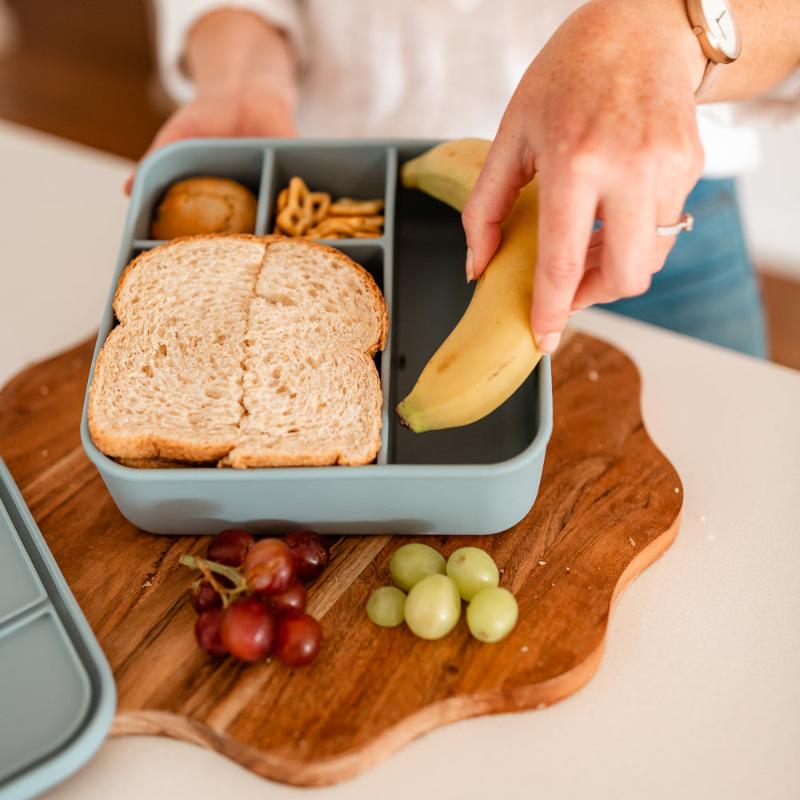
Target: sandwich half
[[241, 351]]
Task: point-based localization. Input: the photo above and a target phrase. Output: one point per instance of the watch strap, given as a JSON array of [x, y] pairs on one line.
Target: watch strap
[[708, 78]]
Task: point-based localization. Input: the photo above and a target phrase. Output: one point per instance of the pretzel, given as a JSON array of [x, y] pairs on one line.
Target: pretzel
[[283, 198], [363, 224], [296, 217], [347, 207], [304, 213], [332, 229], [320, 206]]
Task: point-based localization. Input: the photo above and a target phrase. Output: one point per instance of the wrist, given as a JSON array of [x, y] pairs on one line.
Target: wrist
[[235, 53], [663, 28]]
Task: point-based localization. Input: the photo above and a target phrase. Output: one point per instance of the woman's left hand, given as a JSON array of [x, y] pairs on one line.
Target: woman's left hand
[[605, 115]]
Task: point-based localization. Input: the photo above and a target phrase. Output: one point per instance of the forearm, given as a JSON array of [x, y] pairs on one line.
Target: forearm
[[770, 34], [230, 51], [769, 31]]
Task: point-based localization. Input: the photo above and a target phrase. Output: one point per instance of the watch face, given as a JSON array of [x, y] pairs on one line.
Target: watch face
[[721, 26]]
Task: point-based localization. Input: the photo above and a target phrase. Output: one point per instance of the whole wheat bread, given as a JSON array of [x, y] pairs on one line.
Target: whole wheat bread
[[241, 350]]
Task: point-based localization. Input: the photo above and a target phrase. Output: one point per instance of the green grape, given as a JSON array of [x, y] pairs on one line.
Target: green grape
[[386, 606], [472, 569], [412, 562], [492, 614], [433, 607]]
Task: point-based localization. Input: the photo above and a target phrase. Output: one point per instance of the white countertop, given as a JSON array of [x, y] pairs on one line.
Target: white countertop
[[698, 694]]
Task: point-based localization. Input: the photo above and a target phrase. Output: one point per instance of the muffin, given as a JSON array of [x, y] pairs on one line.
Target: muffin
[[204, 205]]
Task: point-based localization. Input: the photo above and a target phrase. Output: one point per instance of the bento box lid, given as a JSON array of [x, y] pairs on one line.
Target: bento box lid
[[57, 693]]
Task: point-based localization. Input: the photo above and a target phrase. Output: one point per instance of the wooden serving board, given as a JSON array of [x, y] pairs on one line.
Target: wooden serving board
[[608, 506]]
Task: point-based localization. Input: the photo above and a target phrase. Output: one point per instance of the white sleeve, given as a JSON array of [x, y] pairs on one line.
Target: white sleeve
[[780, 104], [174, 19]]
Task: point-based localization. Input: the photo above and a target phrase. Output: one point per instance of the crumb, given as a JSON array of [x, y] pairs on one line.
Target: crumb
[[553, 583], [593, 375], [632, 541], [566, 568], [524, 649], [676, 490], [147, 584], [44, 390], [542, 563], [502, 571], [45, 453]]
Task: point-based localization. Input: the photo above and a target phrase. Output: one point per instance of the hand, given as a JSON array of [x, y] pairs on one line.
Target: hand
[[606, 116], [255, 112]]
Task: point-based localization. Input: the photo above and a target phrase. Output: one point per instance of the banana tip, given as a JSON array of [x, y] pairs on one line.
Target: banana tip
[[407, 420]]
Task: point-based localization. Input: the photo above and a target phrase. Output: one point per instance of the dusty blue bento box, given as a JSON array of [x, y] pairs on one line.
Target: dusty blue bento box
[[482, 478]]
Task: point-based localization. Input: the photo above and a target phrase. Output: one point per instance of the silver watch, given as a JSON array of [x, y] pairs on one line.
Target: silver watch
[[715, 26]]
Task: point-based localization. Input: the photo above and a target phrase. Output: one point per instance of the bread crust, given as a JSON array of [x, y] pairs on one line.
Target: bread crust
[[160, 451]]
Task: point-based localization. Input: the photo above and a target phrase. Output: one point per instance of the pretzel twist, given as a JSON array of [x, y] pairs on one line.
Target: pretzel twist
[[347, 207], [312, 214]]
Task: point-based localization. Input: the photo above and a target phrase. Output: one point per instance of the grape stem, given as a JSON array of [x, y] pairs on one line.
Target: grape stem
[[208, 568]]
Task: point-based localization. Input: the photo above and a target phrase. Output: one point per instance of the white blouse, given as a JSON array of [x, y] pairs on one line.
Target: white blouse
[[431, 68]]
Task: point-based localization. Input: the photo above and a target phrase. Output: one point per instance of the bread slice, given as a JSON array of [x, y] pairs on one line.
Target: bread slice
[[243, 350], [312, 394]]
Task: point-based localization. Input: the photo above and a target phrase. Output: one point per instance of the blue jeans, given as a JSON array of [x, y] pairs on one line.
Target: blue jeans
[[707, 288]]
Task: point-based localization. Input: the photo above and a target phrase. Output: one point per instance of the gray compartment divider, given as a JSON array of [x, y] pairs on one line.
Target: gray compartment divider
[[22, 617], [20, 588], [147, 244], [266, 192], [385, 454]]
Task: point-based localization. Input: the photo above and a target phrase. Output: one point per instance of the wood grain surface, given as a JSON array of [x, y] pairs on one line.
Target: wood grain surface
[[608, 506]]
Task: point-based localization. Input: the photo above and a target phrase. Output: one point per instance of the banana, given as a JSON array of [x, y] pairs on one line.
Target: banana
[[491, 350]]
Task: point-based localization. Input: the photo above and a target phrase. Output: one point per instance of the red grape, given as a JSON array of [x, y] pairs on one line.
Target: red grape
[[207, 632], [248, 629], [293, 597], [230, 547], [268, 567], [310, 553], [299, 637], [204, 596]]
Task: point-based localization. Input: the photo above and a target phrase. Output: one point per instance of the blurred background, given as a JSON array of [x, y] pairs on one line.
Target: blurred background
[[85, 71]]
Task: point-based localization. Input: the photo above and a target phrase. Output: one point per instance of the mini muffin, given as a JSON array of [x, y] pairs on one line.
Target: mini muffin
[[204, 205]]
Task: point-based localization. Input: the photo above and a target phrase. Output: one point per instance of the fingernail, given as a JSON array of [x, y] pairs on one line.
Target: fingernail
[[549, 342], [470, 259]]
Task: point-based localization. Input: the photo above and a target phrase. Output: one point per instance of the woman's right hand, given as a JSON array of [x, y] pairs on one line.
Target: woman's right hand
[[254, 112], [243, 71]]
